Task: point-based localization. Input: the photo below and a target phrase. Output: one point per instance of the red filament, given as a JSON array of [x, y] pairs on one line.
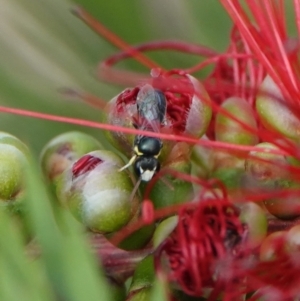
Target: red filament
[[84, 165], [178, 104], [204, 235]]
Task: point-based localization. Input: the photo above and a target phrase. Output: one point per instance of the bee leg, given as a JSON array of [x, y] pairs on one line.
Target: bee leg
[[129, 163]]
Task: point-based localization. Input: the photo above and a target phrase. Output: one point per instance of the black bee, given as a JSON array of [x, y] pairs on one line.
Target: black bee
[[151, 109]]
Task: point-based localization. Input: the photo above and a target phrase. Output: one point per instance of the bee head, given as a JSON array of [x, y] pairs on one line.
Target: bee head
[[146, 167]]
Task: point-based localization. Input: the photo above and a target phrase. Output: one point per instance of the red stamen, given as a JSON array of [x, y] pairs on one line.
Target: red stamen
[[84, 165], [127, 97], [204, 235], [161, 45], [111, 37], [108, 127], [297, 14], [267, 41], [86, 97], [147, 212]]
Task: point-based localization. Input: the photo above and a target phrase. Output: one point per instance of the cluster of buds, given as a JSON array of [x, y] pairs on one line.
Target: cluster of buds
[[235, 131]]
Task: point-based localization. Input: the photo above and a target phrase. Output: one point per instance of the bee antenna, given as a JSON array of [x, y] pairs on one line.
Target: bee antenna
[[128, 164], [135, 188]]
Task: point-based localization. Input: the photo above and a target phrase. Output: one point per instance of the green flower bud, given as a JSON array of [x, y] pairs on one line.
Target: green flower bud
[[202, 157], [142, 281], [63, 150], [200, 112], [6, 138], [164, 229], [229, 169], [265, 166], [285, 207], [270, 172], [274, 112], [97, 193], [139, 238], [257, 224], [13, 162], [119, 113], [231, 131]]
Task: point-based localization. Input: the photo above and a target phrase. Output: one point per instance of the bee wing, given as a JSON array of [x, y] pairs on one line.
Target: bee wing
[[151, 106]]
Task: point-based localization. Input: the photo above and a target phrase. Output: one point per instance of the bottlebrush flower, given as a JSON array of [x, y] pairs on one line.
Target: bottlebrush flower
[[264, 29], [259, 67], [207, 234]]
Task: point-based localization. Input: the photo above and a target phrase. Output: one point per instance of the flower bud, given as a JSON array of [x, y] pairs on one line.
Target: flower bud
[[254, 217], [13, 162], [293, 238], [203, 158], [265, 166], [288, 206], [142, 281], [60, 152], [272, 245], [7, 138], [164, 229], [137, 239], [120, 112], [231, 131], [270, 171], [274, 112], [199, 113], [229, 169], [97, 193]]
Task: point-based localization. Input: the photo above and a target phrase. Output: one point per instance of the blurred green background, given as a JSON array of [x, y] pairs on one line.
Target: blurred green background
[[44, 48]]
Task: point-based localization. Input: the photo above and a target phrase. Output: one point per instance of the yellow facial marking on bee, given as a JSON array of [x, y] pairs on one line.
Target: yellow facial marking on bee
[[136, 151]]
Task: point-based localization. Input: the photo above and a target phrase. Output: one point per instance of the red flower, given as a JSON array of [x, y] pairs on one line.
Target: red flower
[[206, 235]]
